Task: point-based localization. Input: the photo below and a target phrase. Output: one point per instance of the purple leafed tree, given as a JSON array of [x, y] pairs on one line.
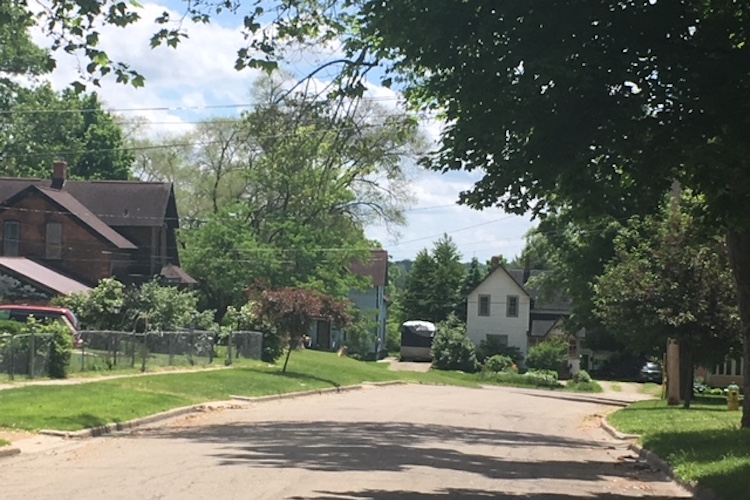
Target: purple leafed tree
[[293, 310]]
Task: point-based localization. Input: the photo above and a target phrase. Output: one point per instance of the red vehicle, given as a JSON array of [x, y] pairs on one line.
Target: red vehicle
[[21, 313]]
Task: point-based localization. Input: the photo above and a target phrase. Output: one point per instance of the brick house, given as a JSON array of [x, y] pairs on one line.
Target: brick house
[[89, 230]]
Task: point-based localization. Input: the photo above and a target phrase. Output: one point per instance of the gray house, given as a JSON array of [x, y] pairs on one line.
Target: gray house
[[370, 301]]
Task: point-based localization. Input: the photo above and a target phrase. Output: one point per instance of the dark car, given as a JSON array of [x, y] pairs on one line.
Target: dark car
[[651, 372]]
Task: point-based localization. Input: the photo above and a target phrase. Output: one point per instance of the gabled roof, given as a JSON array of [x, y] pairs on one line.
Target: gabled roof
[[501, 268], [117, 203], [175, 274], [376, 267], [75, 209], [41, 276]]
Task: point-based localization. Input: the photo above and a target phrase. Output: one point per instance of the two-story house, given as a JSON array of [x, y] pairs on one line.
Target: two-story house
[[498, 309], [508, 307], [87, 230]]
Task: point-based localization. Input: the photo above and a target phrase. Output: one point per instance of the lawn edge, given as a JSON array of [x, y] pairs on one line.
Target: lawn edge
[[654, 460], [178, 412]]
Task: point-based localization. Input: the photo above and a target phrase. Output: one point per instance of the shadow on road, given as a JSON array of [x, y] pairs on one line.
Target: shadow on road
[[457, 493], [582, 398], [398, 446]]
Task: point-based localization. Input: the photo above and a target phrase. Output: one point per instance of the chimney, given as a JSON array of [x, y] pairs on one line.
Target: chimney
[[59, 175]]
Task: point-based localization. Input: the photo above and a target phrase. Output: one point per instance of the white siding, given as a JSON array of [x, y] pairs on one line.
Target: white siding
[[499, 285]]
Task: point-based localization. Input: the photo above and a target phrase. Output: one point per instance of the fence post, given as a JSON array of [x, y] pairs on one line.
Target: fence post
[[229, 348], [133, 340], [12, 367], [32, 351], [209, 342], [83, 354], [171, 349]]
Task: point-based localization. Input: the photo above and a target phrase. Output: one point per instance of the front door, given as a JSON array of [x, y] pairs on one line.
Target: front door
[[324, 335]]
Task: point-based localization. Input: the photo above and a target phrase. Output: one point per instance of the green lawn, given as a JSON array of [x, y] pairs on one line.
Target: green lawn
[[74, 407], [703, 444]]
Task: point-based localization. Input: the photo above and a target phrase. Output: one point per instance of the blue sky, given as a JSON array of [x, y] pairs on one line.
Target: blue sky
[[182, 86]]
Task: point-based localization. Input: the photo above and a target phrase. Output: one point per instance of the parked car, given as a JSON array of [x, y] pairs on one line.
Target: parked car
[[651, 372], [21, 313]]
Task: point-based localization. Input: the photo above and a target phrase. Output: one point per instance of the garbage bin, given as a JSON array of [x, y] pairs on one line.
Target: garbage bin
[[733, 397]]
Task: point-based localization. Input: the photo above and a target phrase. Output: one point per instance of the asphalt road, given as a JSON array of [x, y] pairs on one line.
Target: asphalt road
[[400, 442]]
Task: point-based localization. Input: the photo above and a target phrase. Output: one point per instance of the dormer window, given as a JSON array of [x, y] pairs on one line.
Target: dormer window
[[11, 238]]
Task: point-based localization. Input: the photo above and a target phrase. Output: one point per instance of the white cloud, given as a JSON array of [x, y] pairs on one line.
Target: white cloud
[[200, 73]]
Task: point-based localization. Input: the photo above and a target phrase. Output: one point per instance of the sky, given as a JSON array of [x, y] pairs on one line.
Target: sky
[[198, 81]]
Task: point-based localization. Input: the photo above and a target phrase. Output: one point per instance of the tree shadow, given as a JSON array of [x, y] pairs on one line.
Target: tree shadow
[[449, 493], [331, 446], [578, 397], [292, 375]]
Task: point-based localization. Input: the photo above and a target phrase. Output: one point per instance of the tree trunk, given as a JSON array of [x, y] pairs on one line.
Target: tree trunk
[[673, 372], [288, 353], [738, 243], [687, 372]]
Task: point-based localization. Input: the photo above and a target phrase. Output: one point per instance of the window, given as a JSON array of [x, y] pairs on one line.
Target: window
[[484, 305], [511, 305], [11, 238], [53, 248], [497, 339]]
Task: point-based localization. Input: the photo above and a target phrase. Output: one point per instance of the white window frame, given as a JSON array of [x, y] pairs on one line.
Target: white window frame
[[486, 299], [508, 311]]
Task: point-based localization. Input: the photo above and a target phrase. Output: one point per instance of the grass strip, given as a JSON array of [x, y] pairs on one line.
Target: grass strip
[[75, 407], [3, 442], [703, 444]]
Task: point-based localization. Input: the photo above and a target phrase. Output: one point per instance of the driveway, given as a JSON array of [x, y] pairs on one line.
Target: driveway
[[398, 442]]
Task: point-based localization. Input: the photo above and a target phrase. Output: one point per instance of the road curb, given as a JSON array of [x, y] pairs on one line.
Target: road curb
[[316, 392], [120, 426], [657, 462], [8, 451]]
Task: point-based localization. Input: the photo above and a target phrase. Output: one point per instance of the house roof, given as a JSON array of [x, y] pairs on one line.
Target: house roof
[[117, 203], [41, 276], [541, 327], [176, 274], [501, 268], [376, 267], [80, 212]]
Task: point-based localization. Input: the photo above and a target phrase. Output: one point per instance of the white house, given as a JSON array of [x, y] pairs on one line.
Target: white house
[[499, 308]]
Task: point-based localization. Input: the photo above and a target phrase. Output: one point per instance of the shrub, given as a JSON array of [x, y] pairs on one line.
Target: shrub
[[492, 346], [361, 338], [514, 379], [582, 376], [498, 363], [61, 347], [589, 386], [542, 375], [551, 354], [452, 349]]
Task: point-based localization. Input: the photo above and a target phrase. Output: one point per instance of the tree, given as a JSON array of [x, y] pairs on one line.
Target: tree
[[669, 279], [292, 312], [594, 107], [552, 354], [452, 349], [42, 125], [433, 286], [225, 257]]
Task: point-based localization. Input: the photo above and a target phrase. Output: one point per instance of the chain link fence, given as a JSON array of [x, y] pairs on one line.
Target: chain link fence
[[27, 355]]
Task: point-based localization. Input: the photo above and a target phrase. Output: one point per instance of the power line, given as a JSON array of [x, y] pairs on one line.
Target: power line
[[162, 108]]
